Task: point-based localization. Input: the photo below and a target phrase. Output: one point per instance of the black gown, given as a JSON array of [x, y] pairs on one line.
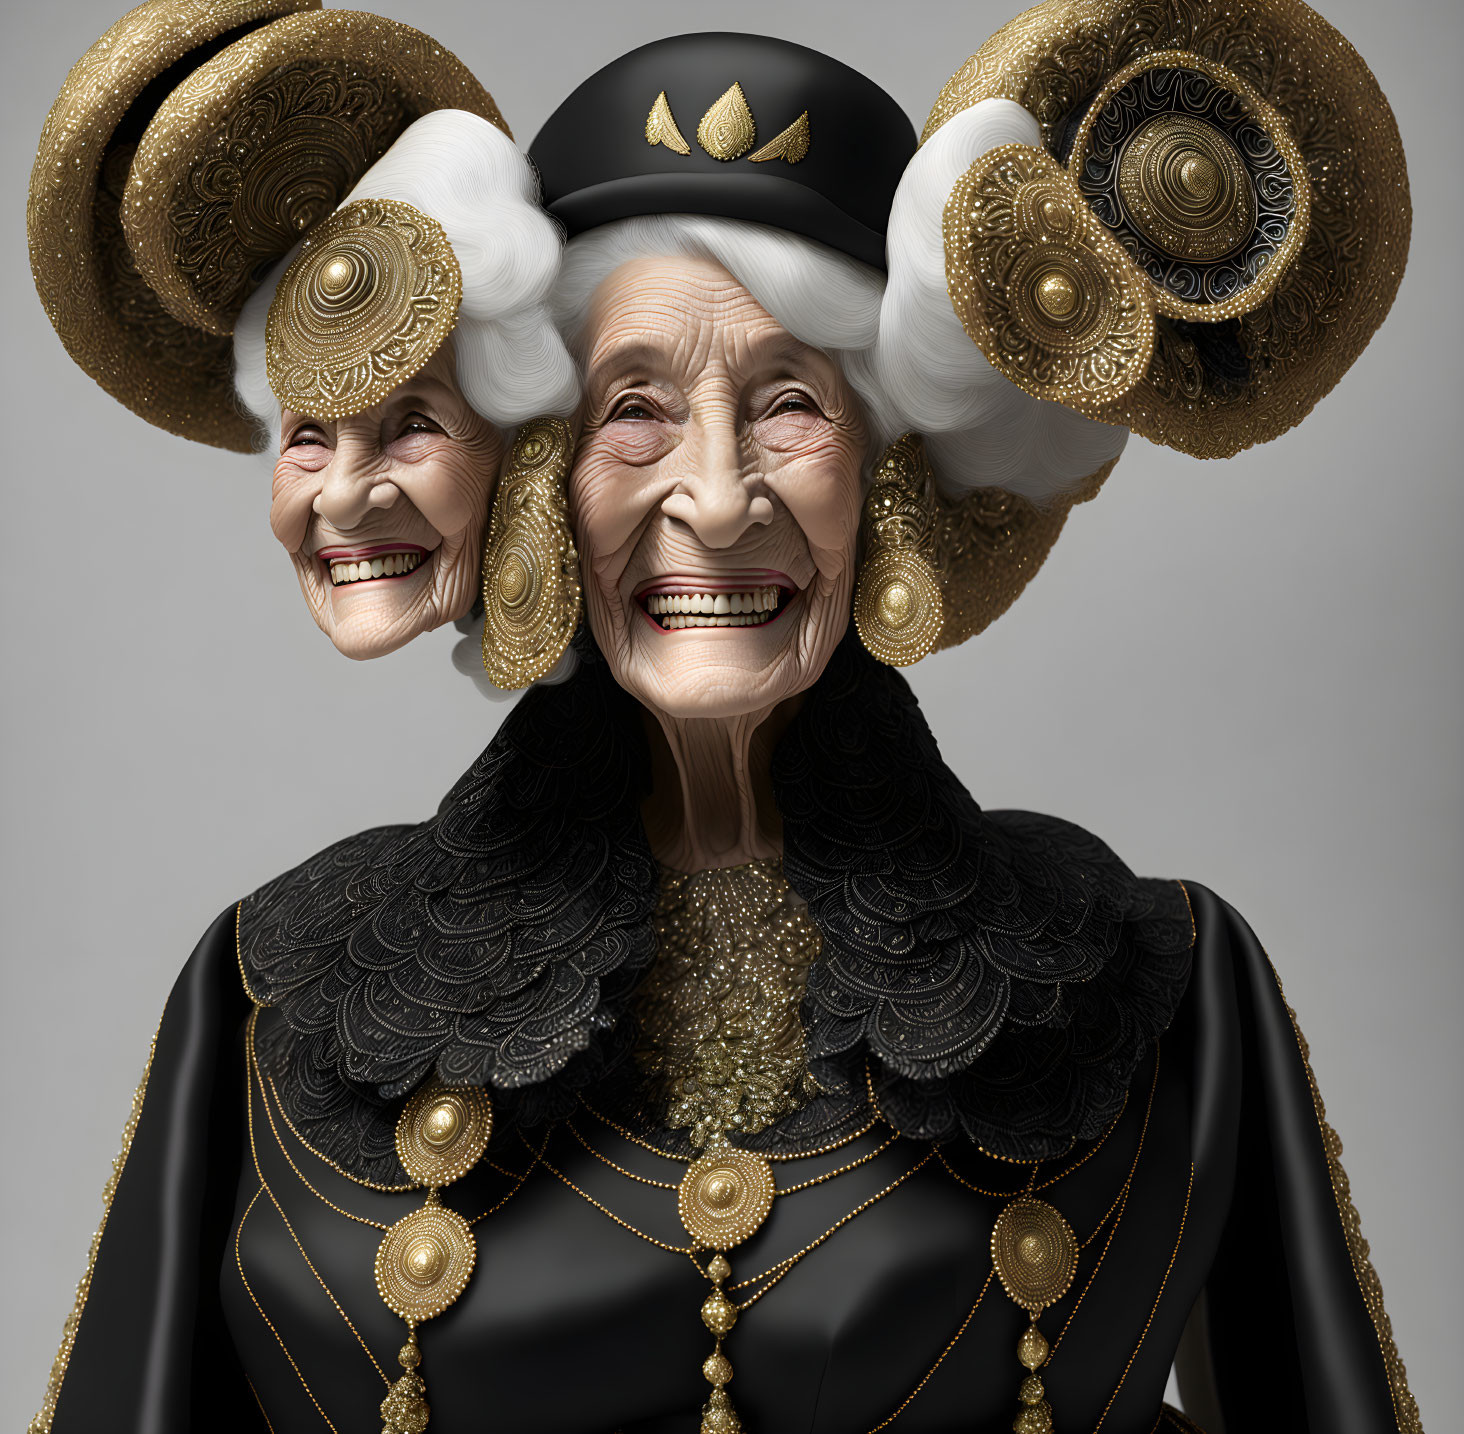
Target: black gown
[[997, 985]]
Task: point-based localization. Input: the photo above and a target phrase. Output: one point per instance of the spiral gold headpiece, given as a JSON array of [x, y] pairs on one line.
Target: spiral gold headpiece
[[1239, 205], [147, 236]]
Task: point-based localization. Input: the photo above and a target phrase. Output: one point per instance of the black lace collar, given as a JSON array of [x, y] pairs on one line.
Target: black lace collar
[[1005, 972]]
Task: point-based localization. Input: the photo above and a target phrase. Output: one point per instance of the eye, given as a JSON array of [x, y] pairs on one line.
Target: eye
[[306, 437], [417, 423], [792, 400], [633, 407]]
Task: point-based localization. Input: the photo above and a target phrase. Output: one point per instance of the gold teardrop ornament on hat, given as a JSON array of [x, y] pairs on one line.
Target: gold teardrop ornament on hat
[[1035, 1255], [369, 299], [532, 598], [425, 1260]]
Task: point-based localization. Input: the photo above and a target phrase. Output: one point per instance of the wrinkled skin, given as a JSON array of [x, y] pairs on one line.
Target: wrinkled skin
[[413, 475], [717, 453]]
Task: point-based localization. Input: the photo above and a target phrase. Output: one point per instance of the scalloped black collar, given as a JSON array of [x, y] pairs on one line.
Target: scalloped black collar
[[1004, 972]]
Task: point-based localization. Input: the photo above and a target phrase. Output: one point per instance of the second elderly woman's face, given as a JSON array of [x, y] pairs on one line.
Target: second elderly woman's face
[[715, 492], [383, 512]]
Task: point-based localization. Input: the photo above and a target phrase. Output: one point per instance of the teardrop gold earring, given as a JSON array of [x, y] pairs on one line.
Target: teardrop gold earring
[[531, 577], [899, 609]]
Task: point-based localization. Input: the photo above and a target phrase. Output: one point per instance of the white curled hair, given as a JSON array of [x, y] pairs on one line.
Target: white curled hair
[[896, 339], [475, 182]]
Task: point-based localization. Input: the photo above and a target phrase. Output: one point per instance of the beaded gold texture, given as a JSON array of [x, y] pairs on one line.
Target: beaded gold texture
[[898, 607], [532, 598], [370, 298], [41, 1424], [1339, 287], [1034, 1252], [260, 144], [424, 1262], [109, 319], [443, 1131], [1040, 285], [721, 1046], [1405, 1406], [983, 548], [724, 1197]]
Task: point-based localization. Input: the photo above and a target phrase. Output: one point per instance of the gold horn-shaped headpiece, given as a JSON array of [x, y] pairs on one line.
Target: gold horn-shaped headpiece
[[1214, 226], [150, 227]]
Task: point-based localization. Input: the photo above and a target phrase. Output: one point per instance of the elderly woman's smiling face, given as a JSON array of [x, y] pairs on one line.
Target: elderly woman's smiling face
[[383, 512], [715, 492]]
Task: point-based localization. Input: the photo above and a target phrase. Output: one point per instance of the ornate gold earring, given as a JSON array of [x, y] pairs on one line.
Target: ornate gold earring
[[898, 607], [531, 577]]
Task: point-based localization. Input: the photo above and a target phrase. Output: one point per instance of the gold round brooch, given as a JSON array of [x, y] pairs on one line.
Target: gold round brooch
[[443, 1131], [1035, 1253], [371, 297], [725, 1196], [424, 1262]]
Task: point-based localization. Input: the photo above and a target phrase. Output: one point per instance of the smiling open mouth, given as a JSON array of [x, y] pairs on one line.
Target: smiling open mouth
[[673, 607], [365, 565]]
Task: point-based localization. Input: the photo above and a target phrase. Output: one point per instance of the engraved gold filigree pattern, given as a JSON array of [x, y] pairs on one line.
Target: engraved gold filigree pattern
[[370, 298], [266, 139], [898, 606], [1284, 355], [1041, 287], [727, 130], [724, 1197], [110, 321], [661, 127], [1186, 188], [721, 1044], [1405, 1406], [424, 1262], [790, 145], [1209, 197], [1034, 1252], [41, 1424], [532, 596]]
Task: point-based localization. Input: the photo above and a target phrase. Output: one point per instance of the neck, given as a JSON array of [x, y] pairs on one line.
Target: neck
[[711, 801]]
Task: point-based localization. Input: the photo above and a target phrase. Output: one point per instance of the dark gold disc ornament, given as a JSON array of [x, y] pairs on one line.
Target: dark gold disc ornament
[[531, 575], [1250, 170], [1035, 1255], [725, 1196], [369, 299]]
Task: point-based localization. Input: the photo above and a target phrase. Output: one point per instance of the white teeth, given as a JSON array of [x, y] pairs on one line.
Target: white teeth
[[724, 609], [388, 565]]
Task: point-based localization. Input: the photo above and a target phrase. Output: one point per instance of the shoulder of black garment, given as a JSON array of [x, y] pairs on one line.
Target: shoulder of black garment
[[998, 975]]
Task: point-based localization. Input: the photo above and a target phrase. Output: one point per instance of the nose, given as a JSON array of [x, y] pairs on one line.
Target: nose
[[350, 489], [717, 500]]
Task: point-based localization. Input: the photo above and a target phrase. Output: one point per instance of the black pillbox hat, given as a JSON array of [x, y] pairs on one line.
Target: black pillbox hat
[[803, 142]]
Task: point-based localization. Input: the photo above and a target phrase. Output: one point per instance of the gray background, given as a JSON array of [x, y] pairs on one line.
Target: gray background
[[1246, 673]]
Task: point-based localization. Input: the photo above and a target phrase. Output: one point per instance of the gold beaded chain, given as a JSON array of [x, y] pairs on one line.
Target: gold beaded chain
[[828, 1149]]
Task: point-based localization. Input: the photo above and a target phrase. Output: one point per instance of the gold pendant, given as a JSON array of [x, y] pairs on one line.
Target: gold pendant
[[405, 1409], [719, 1314], [424, 1261], [1035, 1254], [442, 1132], [725, 1196]]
